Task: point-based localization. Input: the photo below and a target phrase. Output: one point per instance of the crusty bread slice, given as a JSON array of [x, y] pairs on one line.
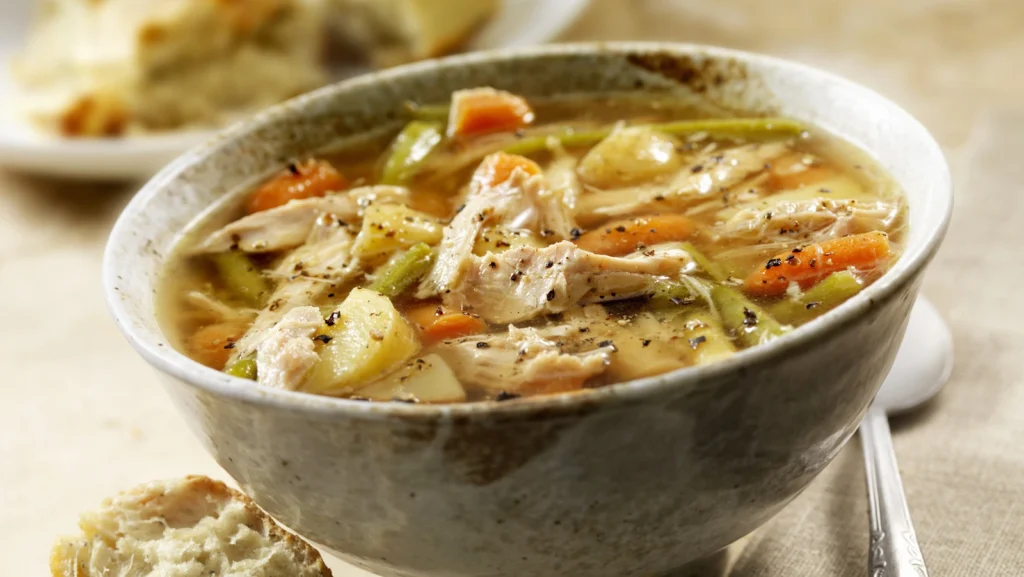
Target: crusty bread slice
[[182, 528], [396, 31]]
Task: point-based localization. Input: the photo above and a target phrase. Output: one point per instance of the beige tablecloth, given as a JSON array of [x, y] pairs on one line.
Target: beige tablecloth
[[83, 416]]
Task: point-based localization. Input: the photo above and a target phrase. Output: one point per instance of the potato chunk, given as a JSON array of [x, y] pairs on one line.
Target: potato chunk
[[426, 380], [629, 156], [368, 339], [391, 227]]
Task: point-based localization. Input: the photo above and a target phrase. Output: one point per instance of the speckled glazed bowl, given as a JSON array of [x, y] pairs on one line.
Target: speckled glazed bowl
[[633, 479]]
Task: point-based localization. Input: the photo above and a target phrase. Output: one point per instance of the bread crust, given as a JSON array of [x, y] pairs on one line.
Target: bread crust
[[73, 557]]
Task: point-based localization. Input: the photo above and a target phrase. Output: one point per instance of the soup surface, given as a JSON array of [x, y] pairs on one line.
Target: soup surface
[[497, 248]]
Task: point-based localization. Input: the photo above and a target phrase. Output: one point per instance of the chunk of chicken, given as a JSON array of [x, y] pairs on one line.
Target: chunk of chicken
[[547, 212], [326, 255], [524, 282], [521, 201], [455, 252], [523, 360], [641, 351], [288, 226], [562, 179], [709, 175], [818, 220], [307, 274], [287, 352]]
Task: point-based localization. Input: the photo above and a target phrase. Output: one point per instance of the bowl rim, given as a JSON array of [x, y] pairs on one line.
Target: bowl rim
[[155, 349]]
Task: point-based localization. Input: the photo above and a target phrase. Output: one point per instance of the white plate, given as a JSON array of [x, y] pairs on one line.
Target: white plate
[[23, 147]]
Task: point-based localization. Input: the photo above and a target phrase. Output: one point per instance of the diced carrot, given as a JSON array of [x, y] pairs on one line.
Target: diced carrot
[[497, 168], [306, 180], [208, 345], [810, 264], [791, 172], [485, 110], [435, 323], [621, 237]]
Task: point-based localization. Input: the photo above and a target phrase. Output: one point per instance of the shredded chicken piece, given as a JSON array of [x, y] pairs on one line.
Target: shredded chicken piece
[[522, 201], [212, 310], [288, 226], [456, 249], [305, 276], [326, 256], [562, 178], [287, 351], [794, 220], [546, 211], [524, 282], [521, 358], [709, 175], [747, 191]]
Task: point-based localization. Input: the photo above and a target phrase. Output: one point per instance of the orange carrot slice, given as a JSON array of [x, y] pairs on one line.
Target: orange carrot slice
[[435, 323], [485, 110], [306, 180], [810, 264], [621, 237], [497, 168], [210, 344]]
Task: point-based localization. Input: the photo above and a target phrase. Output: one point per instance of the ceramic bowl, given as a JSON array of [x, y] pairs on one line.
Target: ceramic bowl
[[633, 479]]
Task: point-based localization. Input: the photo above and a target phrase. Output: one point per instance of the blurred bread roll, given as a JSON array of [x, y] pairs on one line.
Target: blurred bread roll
[[105, 68], [396, 31]]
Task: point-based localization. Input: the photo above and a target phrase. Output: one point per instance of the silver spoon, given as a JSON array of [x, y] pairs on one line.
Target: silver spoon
[[922, 367]]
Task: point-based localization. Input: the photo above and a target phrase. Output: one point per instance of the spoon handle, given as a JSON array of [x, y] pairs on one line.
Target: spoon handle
[[894, 549]]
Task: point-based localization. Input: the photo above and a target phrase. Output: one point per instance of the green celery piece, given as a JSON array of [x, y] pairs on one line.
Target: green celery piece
[[401, 272], [409, 149], [712, 269], [242, 368], [670, 293], [570, 138], [750, 324], [428, 112], [822, 297], [241, 276]]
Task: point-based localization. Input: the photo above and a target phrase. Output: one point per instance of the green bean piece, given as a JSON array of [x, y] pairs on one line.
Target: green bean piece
[[743, 126], [669, 293], [241, 276], [574, 138], [399, 273], [570, 138], [749, 323], [822, 297], [428, 112], [712, 269], [243, 369], [416, 141]]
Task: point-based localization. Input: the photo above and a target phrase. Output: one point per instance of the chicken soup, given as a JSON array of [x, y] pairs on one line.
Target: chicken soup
[[497, 247]]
